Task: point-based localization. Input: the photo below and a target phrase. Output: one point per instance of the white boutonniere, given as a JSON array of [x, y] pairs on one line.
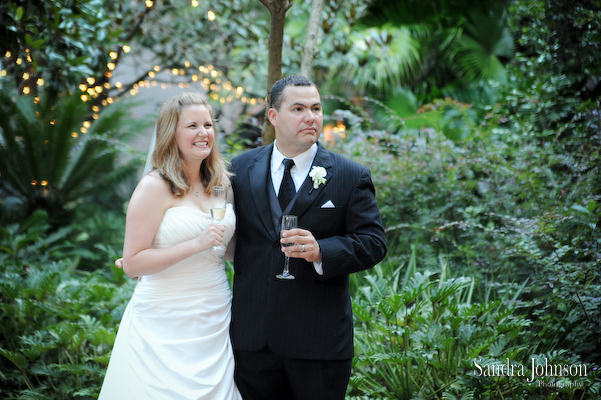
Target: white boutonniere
[[318, 175]]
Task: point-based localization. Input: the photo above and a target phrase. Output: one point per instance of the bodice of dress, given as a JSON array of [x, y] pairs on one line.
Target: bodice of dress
[[183, 223]]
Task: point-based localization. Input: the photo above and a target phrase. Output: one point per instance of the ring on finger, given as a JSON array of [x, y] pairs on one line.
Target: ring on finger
[[303, 250]]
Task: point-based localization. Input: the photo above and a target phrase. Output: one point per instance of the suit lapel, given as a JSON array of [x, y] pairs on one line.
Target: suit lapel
[[259, 178], [307, 194]]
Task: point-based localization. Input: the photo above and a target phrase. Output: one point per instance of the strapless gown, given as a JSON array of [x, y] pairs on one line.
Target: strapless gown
[[173, 341]]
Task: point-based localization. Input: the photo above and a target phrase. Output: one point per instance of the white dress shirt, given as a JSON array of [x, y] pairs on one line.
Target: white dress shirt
[[299, 172]]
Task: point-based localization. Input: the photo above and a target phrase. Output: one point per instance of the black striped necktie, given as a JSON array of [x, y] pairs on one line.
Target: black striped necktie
[[287, 190]]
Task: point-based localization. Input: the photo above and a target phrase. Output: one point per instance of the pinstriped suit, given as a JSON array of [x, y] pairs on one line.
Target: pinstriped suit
[[309, 317]]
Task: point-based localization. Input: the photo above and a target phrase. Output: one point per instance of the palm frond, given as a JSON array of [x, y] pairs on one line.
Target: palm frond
[[18, 132], [44, 160], [65, 121], [382, 59], [485, 43]]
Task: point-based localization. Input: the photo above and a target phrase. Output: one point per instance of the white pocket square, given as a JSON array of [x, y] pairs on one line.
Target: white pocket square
[[328, 204]]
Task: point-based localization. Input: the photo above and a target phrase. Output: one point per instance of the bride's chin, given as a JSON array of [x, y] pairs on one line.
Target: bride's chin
[[202, 151]]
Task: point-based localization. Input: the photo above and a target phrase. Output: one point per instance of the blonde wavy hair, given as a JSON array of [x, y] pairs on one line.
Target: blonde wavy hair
[[166, 157]]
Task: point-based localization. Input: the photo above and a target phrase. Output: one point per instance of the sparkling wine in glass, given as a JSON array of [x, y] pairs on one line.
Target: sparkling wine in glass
[[288, 222], [218, 207]]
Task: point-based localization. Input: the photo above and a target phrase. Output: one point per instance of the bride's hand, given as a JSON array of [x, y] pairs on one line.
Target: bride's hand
[[212, 236]]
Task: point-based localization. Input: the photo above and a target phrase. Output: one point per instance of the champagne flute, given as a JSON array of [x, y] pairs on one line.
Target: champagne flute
[[218, 207], [288, 222]]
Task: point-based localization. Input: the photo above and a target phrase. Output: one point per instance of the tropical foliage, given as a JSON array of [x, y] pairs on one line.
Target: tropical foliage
[[47, 162], [88, 34], [503, 230], [57, 321], [431, 47]]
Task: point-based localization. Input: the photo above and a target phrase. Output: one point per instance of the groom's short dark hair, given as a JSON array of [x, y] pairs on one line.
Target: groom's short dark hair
[[275, 95]]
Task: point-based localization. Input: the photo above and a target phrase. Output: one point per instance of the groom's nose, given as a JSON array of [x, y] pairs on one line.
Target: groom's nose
[[309, 116]]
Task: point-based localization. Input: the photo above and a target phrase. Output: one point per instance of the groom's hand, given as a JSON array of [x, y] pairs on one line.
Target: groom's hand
[[305, 245]]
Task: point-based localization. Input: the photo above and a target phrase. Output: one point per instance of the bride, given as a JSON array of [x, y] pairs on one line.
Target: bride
[[173, 341]]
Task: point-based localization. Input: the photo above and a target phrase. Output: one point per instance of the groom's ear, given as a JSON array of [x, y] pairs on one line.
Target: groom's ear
[[272, 113]]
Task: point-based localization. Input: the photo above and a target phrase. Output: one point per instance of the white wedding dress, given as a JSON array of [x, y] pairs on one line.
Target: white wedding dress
[[173, 341]]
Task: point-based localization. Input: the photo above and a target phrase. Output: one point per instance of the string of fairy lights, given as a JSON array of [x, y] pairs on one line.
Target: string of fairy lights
[[207, 76], [210, 79]]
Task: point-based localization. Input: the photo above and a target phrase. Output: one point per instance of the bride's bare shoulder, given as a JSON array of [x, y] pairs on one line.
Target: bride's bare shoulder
[[153, 183]]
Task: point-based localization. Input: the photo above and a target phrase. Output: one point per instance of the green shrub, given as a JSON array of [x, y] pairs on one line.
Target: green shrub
[[419, 335], [505, 214], [47, 163], [57, 323], [424, 337]]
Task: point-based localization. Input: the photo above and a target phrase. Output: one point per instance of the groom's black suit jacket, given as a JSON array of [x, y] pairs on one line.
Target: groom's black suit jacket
[[309, 317]]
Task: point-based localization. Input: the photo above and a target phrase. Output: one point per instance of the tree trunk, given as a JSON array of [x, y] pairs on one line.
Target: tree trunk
[[277, 9], [312, 39]]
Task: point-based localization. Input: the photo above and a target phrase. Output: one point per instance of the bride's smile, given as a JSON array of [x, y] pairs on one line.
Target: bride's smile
[[195, 132]]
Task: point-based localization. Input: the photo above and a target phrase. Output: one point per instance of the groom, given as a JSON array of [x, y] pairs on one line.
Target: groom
[[293, 339]]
